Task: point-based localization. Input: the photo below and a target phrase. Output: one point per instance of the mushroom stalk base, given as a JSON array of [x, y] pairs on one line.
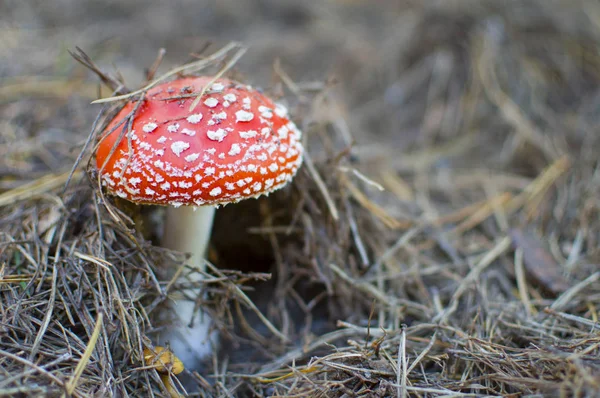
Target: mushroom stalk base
[[187, 229]]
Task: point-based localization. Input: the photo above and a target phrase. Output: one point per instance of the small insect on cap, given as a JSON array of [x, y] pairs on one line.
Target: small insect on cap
[[236, 144]]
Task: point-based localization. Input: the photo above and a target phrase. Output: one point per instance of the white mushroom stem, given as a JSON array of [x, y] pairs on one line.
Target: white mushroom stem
[[187, 229]]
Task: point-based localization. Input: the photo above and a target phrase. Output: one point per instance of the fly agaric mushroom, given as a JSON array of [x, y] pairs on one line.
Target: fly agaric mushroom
[[235, 144]]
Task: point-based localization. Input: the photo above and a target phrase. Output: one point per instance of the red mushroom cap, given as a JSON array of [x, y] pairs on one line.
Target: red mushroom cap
[[234, 145]]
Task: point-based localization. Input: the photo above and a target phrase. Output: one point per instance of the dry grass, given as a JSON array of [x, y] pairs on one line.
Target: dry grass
[[441, 240]]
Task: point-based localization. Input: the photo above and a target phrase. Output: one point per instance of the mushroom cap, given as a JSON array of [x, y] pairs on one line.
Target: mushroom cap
[[236, 144]]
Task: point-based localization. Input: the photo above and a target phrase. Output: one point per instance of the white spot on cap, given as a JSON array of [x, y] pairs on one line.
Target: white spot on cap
[[135, 180], [172, 128], [209, 171], [195, 118], [235, 150], [149, 192], [217, 117], [149, 127], [283, 132], [217, 87], [273, 167], [229, 97], [189, 132], [246, 102], [211, 102], [216, 191], [248, 134], [179, 146], [145, 145], [216, 135], [265, 112], [243, 116], [269, 183], [165, 186], [162, 140], [191, 157]]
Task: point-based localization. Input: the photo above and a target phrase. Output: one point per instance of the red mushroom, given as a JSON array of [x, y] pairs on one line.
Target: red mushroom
[[235, 144]]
